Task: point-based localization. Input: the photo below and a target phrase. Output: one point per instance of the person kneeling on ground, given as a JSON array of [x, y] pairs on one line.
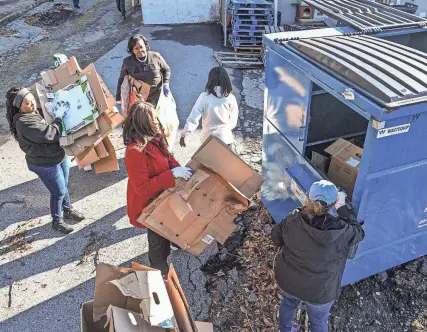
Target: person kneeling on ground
[[315, 240], [45, 157], [151, 169]]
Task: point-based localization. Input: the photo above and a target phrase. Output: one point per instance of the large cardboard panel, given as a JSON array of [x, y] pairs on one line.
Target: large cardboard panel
[[108, 161], [186, 214], [216, 155], [345, 163]]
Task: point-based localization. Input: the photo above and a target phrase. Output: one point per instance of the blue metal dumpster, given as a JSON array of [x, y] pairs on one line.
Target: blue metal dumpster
[[387, 22], [374, 91]]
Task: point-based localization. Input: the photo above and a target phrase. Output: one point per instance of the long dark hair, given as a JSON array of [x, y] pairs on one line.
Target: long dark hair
[[134, 39], [218, 77], [140, 126], [11, 110]]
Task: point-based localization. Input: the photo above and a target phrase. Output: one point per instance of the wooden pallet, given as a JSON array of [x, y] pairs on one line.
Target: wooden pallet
[[248, 49], [273, 29], [238, 60]]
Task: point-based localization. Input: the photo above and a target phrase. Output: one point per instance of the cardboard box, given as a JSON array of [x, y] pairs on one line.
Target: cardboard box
[[111, 305], [122, 320], [199, 211], [320, 161], [345, 163]]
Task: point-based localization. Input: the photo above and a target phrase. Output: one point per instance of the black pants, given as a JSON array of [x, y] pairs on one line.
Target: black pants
[[75, 2], [121, 6], [158, 251]]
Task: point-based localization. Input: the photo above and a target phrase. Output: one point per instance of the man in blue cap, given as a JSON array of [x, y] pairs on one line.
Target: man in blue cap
[[315, 240]]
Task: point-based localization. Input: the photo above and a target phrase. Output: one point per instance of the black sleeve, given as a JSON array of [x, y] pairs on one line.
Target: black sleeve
[[276, 234], [355, 232], [123, 73], [40, 132], [165, 69]]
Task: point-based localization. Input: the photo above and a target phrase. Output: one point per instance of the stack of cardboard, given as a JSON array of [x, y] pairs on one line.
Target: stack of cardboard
[[136, 300], [88, 140], [201, 210]]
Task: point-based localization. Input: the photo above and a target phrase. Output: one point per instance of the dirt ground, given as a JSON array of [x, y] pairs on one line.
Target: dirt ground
[[246, 299]]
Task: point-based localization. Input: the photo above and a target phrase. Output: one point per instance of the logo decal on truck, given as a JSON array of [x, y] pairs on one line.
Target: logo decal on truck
[[393, 130]]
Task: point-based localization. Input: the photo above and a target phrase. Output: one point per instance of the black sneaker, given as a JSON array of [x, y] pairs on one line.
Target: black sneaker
[[73, 215], [62, 226], [77, 6]]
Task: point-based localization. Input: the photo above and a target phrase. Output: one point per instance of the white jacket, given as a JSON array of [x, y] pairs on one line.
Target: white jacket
[[219, 117]]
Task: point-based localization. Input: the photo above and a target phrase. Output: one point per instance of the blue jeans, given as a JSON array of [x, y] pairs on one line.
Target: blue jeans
[[55, 178], [317, 314]]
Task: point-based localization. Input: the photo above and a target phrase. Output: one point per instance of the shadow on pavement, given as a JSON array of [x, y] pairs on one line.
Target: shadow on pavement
[[64, 251], [30, 200]]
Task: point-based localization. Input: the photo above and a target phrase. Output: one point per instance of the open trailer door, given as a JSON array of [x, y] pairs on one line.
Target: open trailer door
[[288, 175]]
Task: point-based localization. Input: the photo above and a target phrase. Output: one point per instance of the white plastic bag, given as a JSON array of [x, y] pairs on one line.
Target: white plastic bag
[[168, 117], [125, 94]]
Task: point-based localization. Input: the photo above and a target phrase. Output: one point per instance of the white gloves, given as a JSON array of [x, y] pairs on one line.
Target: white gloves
[[58, 109], [166, 89], [182, 172], [341, 200]]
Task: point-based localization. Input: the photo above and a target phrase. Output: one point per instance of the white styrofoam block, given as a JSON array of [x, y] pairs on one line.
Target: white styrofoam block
[[179, 11]]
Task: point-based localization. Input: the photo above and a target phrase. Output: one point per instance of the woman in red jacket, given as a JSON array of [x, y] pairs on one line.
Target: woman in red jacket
[[151, 169]]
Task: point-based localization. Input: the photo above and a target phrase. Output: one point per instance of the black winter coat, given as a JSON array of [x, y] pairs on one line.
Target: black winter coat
[[314, 252], [39, 140]]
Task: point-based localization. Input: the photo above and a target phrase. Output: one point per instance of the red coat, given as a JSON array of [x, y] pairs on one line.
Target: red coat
[[149, 172]]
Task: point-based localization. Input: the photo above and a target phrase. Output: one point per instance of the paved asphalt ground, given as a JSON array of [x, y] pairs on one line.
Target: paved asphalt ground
[[49, 278]]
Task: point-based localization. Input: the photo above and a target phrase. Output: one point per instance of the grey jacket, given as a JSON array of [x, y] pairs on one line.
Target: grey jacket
[[38, 140], [314, 252], [150, 72]]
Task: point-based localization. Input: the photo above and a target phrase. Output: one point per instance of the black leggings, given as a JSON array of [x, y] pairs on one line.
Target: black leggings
[[121, 6], [158, 251]]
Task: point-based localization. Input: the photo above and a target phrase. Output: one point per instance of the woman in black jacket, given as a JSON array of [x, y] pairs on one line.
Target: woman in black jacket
[[45, 157], [315, 242], [146, 66]]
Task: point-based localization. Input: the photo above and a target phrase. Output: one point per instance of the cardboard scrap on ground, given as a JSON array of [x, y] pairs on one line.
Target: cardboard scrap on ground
[[199, 211], [88, 140], [138, 299]]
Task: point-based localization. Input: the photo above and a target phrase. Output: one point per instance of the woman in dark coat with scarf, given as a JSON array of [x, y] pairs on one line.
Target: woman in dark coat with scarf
[[315, 241], [44, 156], [151, 169], [146, 66]]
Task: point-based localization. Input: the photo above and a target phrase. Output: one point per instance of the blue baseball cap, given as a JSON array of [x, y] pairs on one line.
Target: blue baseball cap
[[324, 191]]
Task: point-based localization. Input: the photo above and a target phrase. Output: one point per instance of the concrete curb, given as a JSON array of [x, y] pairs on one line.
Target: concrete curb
[[19, 13]]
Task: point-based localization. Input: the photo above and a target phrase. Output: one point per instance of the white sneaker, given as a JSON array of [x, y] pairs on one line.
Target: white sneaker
[[88, 168]]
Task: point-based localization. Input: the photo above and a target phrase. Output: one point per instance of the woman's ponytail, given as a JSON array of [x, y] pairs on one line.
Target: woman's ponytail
[[314, 209], [11, 110]]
